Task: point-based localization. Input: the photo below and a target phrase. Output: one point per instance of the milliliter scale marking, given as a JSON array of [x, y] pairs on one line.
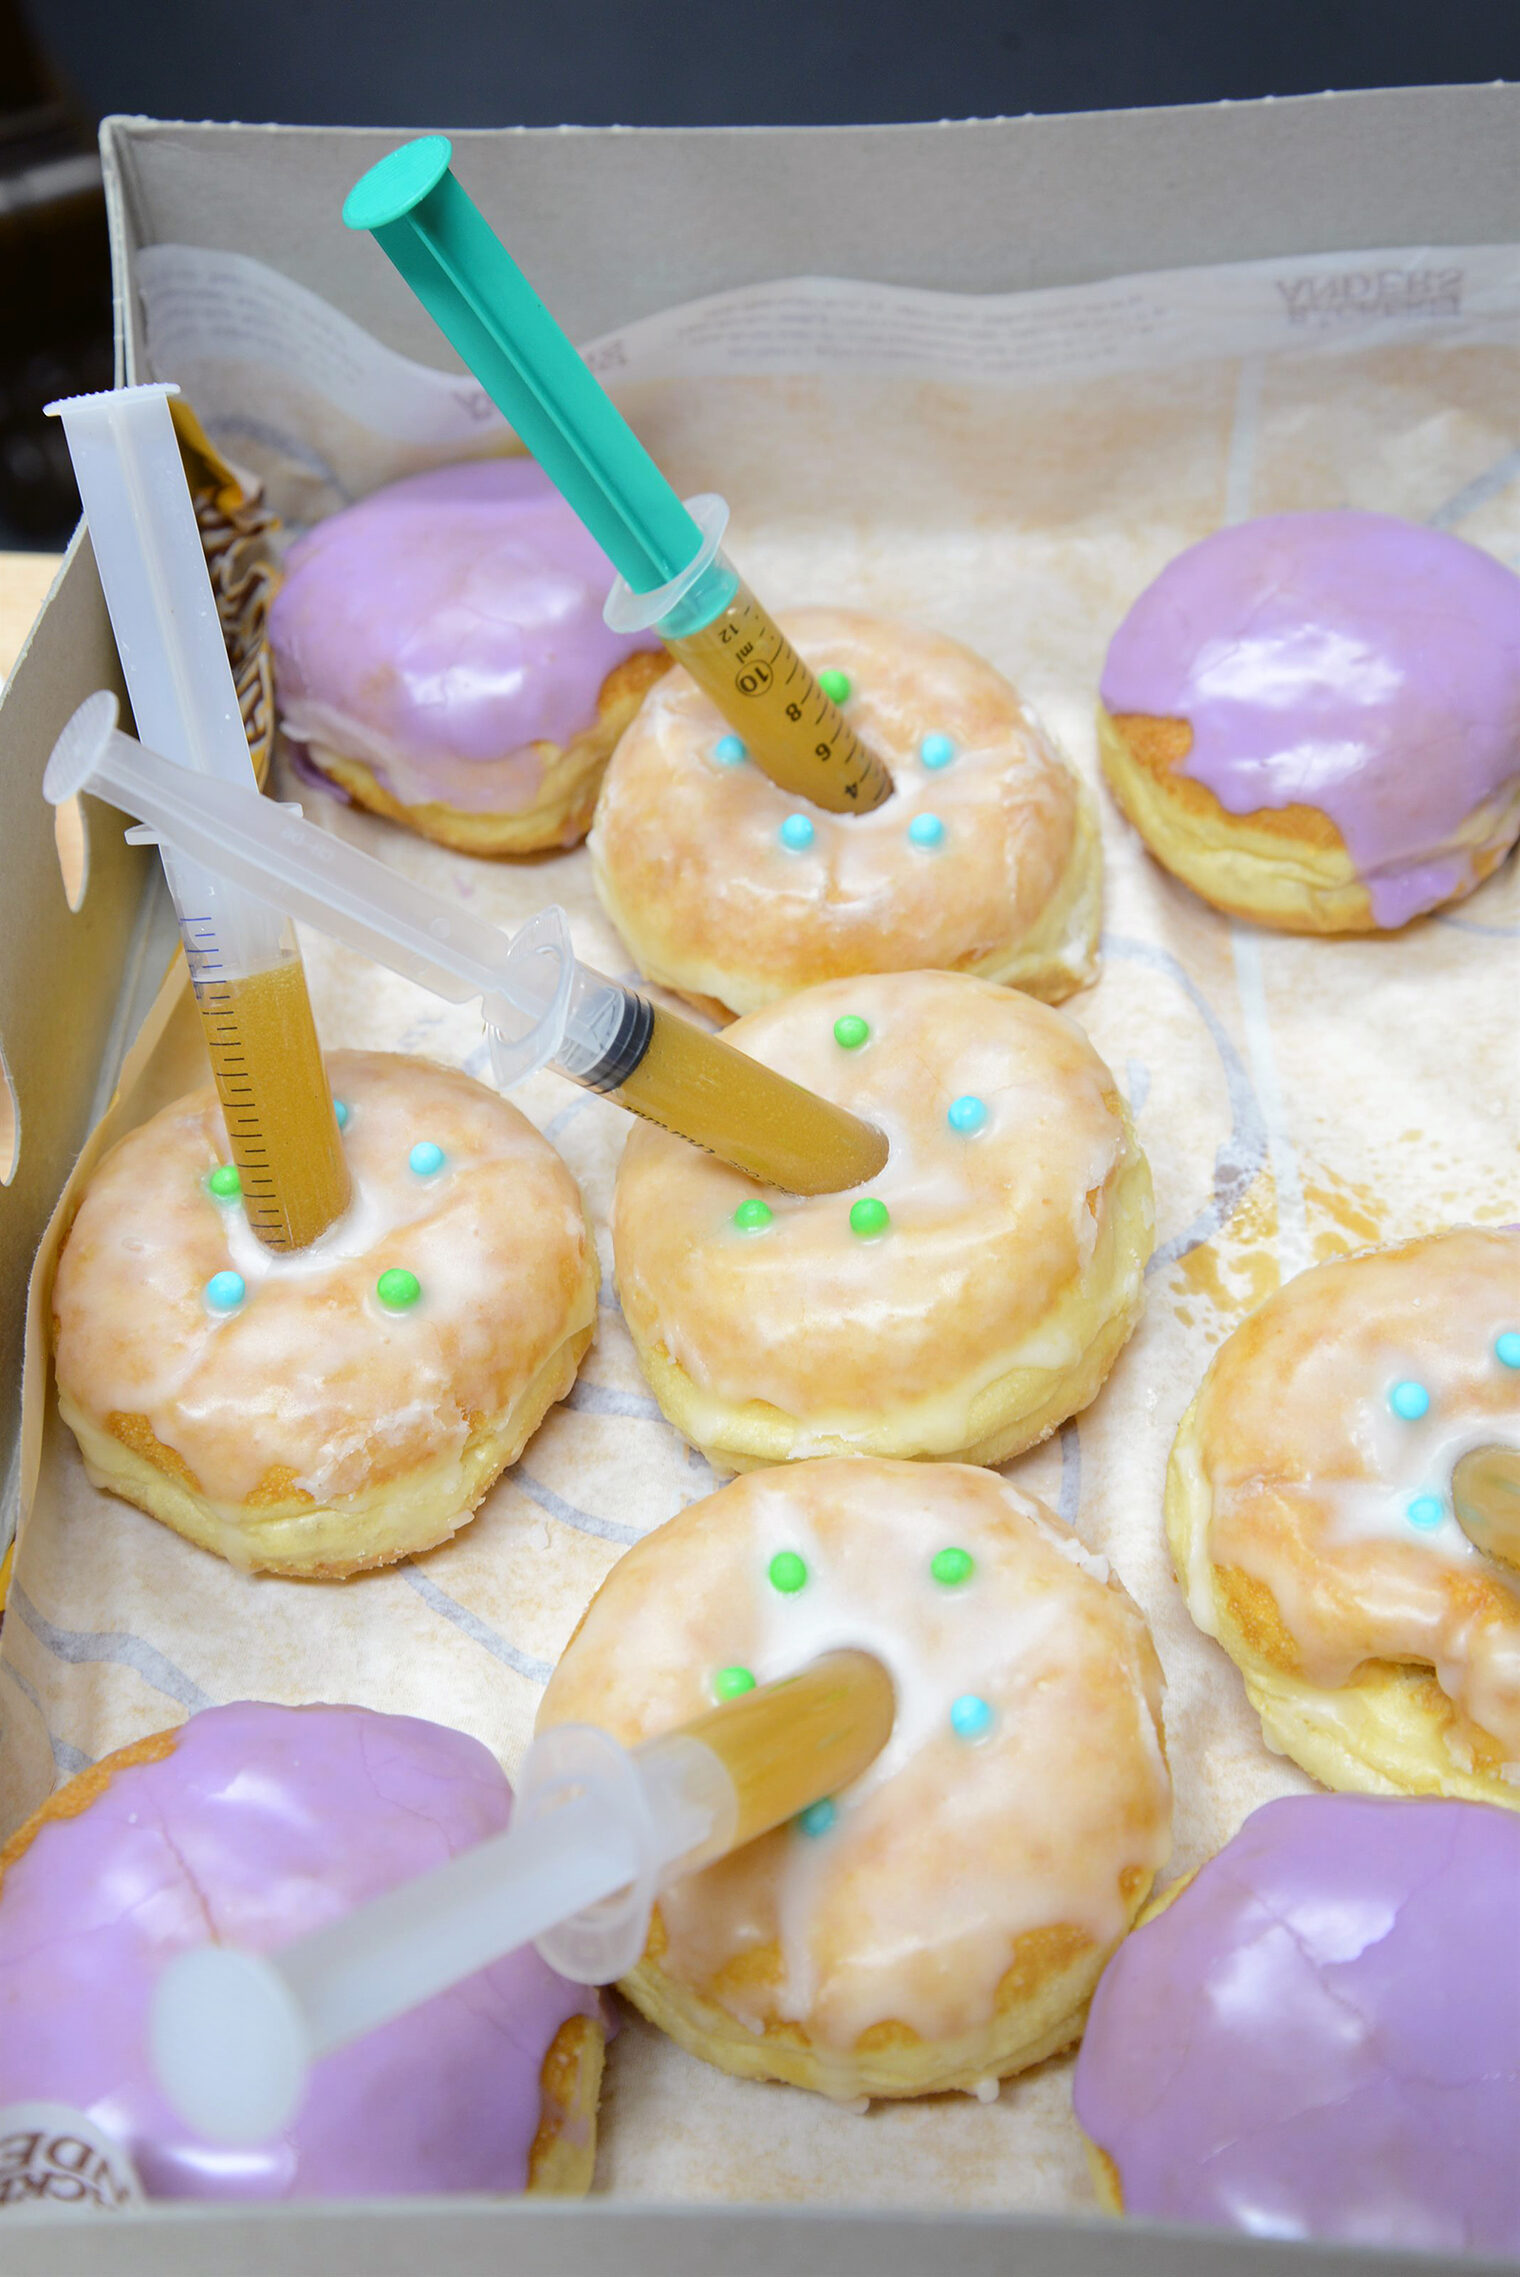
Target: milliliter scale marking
[[217, 1006], [267, 1066], [666, 557], [794, 733]]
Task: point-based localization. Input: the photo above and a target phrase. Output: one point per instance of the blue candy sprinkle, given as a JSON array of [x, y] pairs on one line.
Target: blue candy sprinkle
[[936, 751], [225, 1291], [341, 1113], [967, 1113], [1507, 1348], [797, 833], [970, 1716], [729, 751], [1409, 1400], [817, 1818], [1425, 1511], [426, 1158], [926, 830]]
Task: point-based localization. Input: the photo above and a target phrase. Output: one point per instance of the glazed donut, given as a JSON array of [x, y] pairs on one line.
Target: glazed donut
[[984, 860], [351, 1403], [1308, 1505], [1316, 2036], [257, 1825], [964, 1306], [942, 1921], [440, 655], [1314, 719]]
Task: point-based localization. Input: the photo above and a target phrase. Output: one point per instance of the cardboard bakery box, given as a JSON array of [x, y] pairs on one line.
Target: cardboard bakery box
[[616, 226]]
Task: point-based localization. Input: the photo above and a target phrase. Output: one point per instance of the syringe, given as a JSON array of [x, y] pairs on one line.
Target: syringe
[[1485, 1497], [245, 966], [596, 1829], [673, 575], [541, 1005]]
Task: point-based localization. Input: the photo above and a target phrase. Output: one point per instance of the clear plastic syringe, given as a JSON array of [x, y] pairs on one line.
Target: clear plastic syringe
[[673, 573], [541, 1005], [596, 1829], [245, 966], [1485, 1499]]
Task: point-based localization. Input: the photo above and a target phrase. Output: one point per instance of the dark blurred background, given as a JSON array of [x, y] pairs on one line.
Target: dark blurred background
[[442, 63]]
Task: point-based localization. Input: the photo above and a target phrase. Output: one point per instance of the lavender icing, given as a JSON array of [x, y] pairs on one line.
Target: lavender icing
[[441, 628], [1345, 661], [262, 1824], [1320, 2038]]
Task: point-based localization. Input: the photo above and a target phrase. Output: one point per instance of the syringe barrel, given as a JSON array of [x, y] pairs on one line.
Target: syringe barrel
[[738, 655], [219, 921], [1485, 1499], [224, 931], [595, 1831], [548, 1009], [250, 988], [796, 1740], [225, 850], [708, 1788], [233, 2034], [152, 565], [695, 595]]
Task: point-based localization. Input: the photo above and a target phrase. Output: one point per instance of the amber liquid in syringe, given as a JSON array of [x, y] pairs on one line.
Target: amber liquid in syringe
[[790, 728], [793, 1742], [761, 1122], [281, 1128]]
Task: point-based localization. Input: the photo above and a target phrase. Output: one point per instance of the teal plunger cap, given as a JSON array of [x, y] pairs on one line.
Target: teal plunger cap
[[465, 278], [401, 180]]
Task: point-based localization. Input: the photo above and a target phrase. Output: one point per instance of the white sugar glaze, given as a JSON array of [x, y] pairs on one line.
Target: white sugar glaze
[[311, 1375], [1009, 1247], [947, 1850], [1307, 1474]]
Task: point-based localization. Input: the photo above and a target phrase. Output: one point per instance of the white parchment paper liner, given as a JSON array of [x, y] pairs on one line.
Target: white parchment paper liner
[[1297, 1098]]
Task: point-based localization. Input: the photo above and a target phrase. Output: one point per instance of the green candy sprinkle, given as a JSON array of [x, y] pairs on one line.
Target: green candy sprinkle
[[850, 1031], [729, 1683], [836, 686], [787, 1572], [397, 1289], [753, 1216], [869, 1217], [951, 1567], [224, 1181]]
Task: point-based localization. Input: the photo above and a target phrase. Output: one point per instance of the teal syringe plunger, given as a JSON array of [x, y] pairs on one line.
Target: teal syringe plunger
[[673, 573], [542, 1006]]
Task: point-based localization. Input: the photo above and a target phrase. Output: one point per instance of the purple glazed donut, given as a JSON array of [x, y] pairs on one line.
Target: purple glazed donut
[[440, 656], [1314, 719], [260, 1824], [1319, 2037]]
